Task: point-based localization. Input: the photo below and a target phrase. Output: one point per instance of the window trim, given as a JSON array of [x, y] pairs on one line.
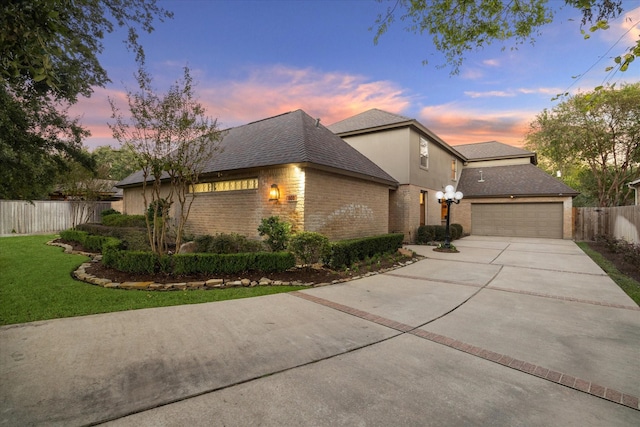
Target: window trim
[[224, 186], [426, 149]]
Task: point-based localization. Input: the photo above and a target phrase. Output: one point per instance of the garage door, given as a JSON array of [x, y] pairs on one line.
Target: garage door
[[517, 219]]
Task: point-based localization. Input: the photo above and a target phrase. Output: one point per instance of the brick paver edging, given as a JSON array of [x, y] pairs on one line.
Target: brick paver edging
[[566, 380]]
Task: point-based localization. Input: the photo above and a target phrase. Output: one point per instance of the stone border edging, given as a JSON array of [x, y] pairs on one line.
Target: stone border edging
[[81, 274]]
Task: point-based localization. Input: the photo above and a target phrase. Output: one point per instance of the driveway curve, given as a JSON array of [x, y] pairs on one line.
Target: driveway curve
[[506, 332]]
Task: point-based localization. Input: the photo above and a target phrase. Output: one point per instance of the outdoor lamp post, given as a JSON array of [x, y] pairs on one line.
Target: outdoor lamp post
[[449, 196]]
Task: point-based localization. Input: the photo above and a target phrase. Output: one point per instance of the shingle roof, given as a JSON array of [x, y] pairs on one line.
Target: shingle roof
[[491, 150], [367, 120], [287, 138], [513, 180]]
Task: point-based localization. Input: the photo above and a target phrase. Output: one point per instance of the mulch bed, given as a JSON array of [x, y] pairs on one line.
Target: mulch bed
[[303, 275], [617, 259]]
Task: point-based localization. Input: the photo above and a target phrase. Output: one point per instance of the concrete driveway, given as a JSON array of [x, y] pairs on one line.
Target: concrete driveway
[[507, 332]]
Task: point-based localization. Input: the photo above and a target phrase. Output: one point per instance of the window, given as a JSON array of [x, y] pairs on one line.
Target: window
[[454, 169], [232, 185], [424, 153]]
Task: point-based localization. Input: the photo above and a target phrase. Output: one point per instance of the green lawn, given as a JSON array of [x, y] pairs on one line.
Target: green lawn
[[36, 284]]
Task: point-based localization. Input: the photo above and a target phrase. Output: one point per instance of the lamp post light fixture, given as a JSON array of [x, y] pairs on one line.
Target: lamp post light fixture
[[449, 196]]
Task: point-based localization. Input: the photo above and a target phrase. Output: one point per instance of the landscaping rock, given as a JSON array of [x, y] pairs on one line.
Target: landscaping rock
[[214, 283], [188, 248]]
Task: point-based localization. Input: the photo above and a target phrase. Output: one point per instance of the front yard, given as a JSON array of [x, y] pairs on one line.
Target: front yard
[[36, 284]]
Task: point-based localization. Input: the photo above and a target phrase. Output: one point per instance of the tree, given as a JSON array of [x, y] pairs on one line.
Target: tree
[[49, 55], [173, 140], [113, 163], [83, 189], [599, 130], [459, 26]]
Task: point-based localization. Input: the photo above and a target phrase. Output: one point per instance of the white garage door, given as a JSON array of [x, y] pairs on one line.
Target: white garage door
[[517, 219]]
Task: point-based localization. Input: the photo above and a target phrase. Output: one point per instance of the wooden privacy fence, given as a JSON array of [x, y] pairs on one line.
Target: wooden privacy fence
[[48, 216], [621, 222]]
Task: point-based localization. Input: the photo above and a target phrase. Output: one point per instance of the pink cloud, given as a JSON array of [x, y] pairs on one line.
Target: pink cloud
[[263, 93], [459, 126]]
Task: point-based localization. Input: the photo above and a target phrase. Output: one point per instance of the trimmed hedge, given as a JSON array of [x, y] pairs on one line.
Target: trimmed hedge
[[345, 252], [133, 238], [437, 233], [223, 243], [124, 221], [90, 242], [181, 264], [233, 263]]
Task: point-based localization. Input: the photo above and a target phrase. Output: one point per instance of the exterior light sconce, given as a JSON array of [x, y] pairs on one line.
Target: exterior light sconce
[[274, 193], [449, 196]]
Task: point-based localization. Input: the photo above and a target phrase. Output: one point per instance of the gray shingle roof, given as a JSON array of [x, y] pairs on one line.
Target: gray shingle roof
[[288, 138], [491, 150], [514, 180], [369, 119]]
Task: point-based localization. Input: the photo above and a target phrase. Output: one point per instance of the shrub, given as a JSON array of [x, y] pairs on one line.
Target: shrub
[[309, 247], [456, 231], [430, 233], [163, 206], [227, 244], [232, 263], [108, 212], [124, 221], [134, 238], [346, 252], [74, 235], [277, 232]]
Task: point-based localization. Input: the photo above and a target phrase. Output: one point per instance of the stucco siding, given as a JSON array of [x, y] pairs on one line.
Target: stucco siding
[[389, 149]]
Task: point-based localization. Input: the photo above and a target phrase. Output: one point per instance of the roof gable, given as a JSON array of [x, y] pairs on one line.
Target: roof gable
[[369, 119], [513, 180], [293, 137], [491, 150]]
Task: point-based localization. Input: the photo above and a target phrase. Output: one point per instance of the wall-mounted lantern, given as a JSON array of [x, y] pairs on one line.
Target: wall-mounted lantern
[[449, 196], [274, 193]]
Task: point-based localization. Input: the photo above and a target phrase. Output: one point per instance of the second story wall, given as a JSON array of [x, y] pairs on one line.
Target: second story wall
[[435, 172], [389, 149]]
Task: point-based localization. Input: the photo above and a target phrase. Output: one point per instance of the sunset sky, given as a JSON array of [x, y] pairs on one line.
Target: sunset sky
[[256, 59]]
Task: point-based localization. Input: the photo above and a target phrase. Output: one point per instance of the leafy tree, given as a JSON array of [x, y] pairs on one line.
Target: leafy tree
[[173, 140], [596, 138], [83, 189], [48, 56], [113, 163], [459, 26]]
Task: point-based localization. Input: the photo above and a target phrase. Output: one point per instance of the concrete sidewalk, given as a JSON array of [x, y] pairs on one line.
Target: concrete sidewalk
[[506, 332]]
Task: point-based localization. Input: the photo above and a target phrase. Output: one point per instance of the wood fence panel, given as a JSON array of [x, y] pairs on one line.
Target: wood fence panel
[[621, 222], [40, 216]]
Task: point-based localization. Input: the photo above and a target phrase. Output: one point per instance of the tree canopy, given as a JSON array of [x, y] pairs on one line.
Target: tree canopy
[[173, 140], [49, 56], [457, 27], [594, 140]]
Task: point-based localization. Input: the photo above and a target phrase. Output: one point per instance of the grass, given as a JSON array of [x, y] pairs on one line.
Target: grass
[[36, 284], [627, 284]]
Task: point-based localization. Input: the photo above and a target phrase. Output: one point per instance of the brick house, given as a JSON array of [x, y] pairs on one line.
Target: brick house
[[505, 193], [323, 184]]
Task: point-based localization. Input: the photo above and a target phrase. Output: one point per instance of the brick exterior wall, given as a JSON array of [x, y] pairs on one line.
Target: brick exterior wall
[[461, 213], [404, 210], [337, 206], [341, 207]]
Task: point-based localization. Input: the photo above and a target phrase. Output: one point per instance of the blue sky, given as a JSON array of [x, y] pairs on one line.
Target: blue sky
[[256, 59]]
